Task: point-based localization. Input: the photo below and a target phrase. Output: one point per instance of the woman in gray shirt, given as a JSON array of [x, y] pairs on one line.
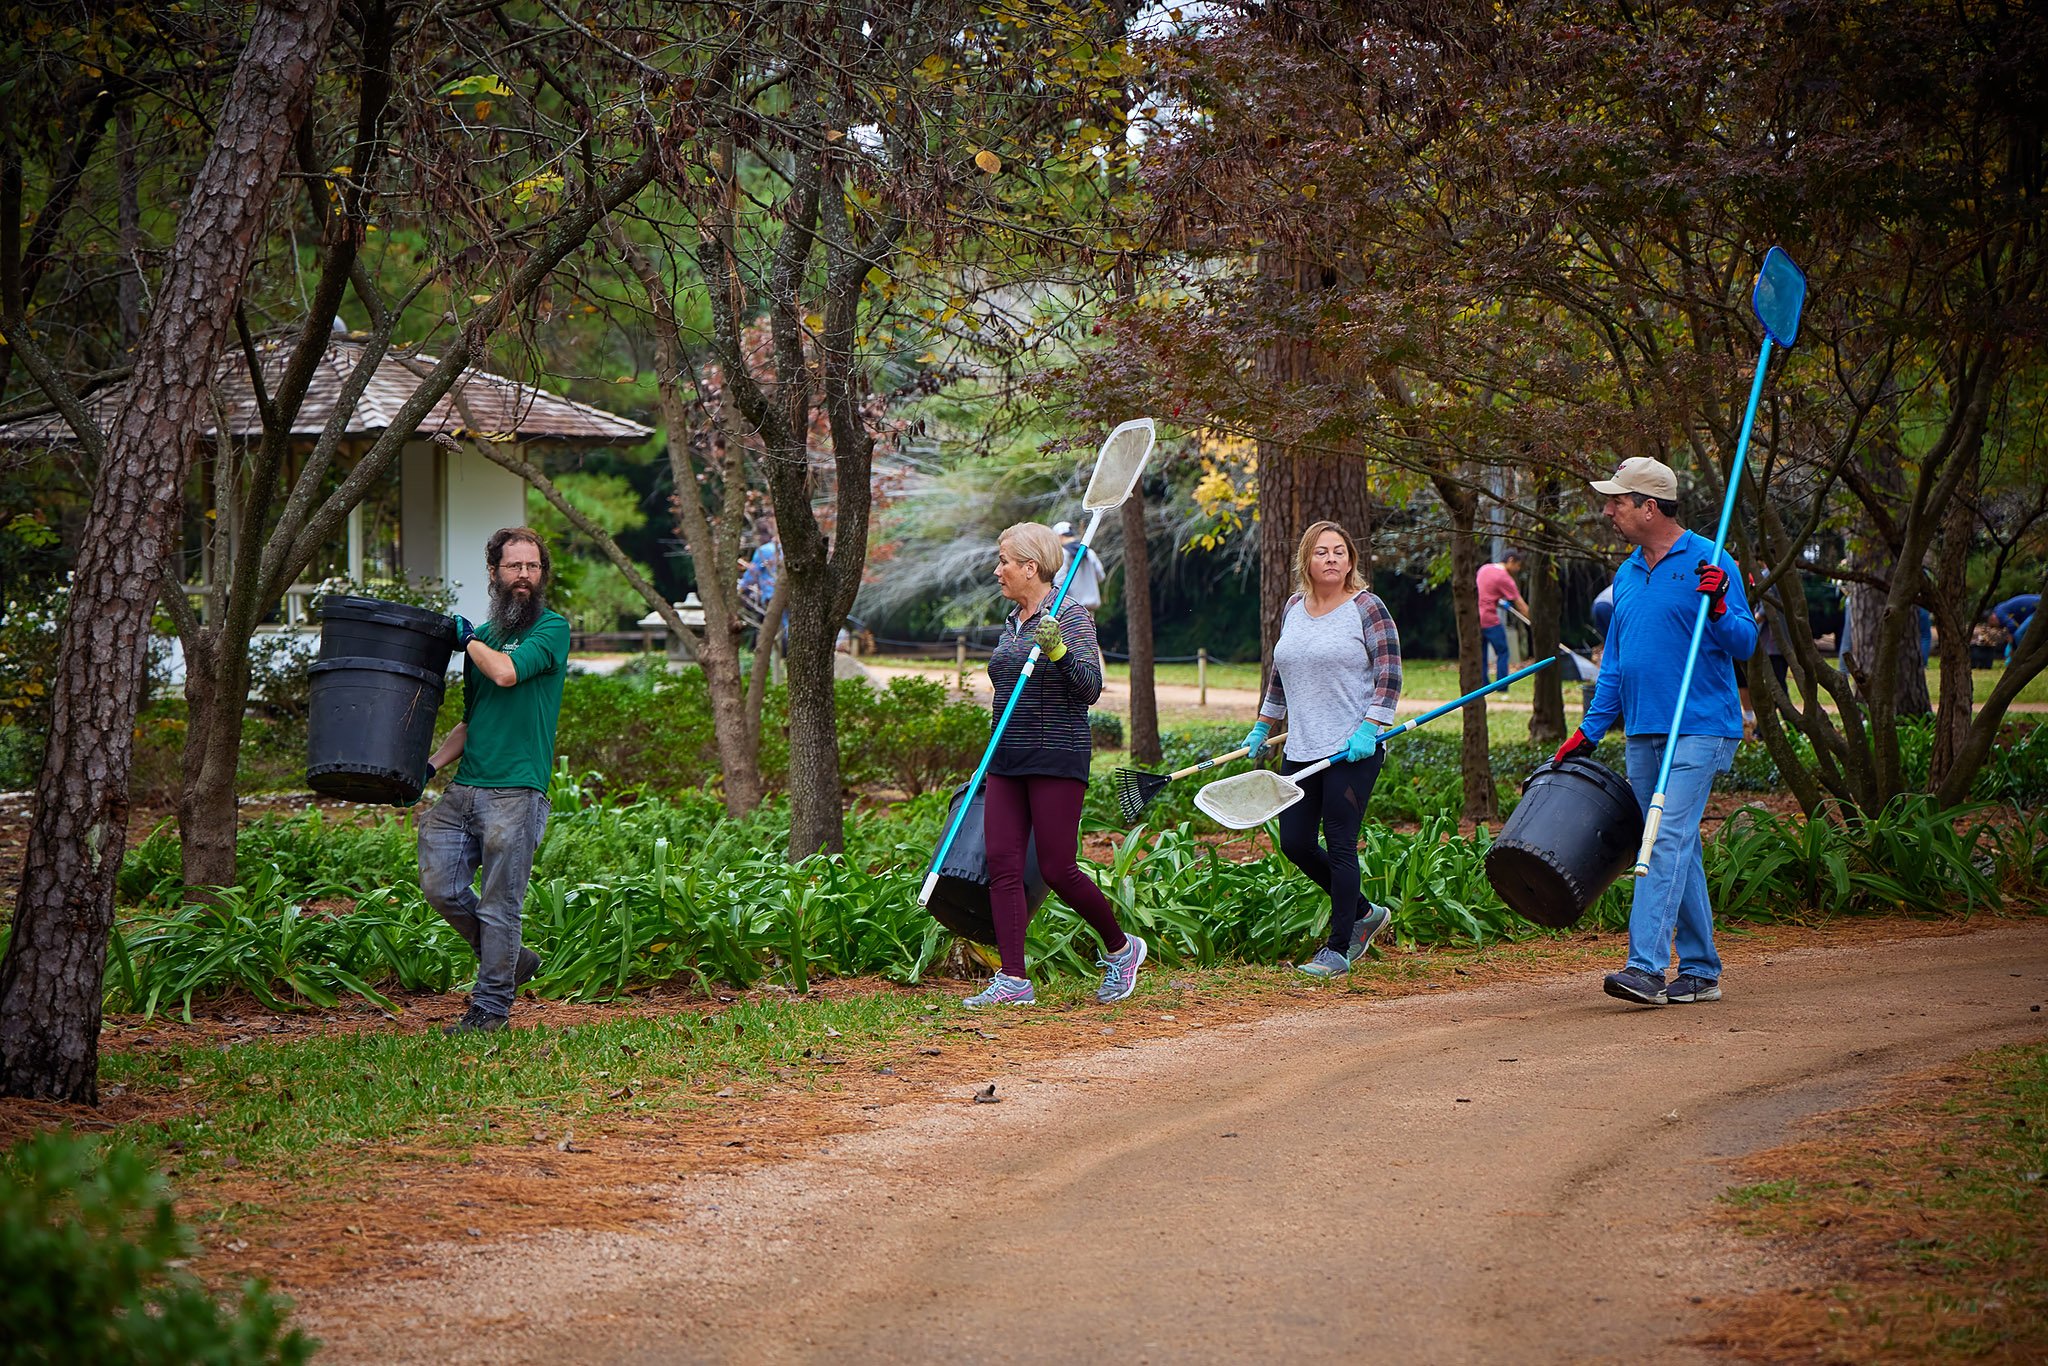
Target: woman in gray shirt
[[1339, 655]]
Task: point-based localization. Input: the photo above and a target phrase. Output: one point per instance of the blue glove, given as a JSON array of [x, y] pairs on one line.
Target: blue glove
[[464, 633], [428, 776], [1363, 742], [1255, 738]]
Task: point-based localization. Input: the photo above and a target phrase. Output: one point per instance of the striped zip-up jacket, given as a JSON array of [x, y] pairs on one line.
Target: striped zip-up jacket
[[1048, 733]]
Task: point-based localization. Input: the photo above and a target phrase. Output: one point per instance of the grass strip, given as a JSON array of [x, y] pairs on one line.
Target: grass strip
[[1928, 1213], [288, 1105]]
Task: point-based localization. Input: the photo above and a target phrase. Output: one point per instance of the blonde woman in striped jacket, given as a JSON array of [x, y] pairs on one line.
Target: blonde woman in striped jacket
[[1039, 773]]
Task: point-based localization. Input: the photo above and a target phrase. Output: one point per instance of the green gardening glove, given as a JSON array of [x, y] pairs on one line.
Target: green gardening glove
[[1049, 639]]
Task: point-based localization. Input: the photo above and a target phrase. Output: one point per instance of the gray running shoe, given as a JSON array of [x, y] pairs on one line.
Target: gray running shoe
[[1120, 970], [1687, 988], [1633, 984], [1368, 927], [1003, 990], [1327, 963]]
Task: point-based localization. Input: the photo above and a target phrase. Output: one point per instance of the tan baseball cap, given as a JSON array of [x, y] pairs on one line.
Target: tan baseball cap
[[1641, 474]]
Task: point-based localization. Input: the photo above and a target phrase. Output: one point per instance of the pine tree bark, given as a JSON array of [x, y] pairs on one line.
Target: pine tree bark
[[1546, 715], [1298, 489], [207, 813], [1138, 620], [1952, 627], [1482, 803], [51, 979]]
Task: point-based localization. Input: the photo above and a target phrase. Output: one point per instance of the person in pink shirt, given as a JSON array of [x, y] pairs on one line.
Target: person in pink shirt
[[1497, 585]]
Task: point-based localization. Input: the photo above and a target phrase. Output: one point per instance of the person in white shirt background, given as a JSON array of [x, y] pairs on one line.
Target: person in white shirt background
[[1087, 586]]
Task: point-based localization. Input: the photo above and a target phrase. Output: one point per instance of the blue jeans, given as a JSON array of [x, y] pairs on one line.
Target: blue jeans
[[1494, 643], [495, 829], [1671, 900]]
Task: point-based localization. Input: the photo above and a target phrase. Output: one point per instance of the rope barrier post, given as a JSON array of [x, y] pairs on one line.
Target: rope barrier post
[[960, 662], [1202, 675]]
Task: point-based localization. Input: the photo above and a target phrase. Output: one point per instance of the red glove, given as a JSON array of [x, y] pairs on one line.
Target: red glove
[[1714, 583], [1576, 742]]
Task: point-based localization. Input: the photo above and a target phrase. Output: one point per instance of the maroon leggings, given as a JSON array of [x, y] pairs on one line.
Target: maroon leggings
[[1050, 808]]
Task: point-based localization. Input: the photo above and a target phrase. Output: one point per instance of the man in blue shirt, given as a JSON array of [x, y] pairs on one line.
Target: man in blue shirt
[[2015, 614], [1656, 600]]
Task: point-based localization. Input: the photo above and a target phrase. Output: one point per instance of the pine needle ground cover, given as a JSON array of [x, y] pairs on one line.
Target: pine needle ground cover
[[1922, 1223]]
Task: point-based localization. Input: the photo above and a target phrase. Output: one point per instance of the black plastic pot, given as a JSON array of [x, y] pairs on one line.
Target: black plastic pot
[[377, 686], [960, 901], [1576, 829]]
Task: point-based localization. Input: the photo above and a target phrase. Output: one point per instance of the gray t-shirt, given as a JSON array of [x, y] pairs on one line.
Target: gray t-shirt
[[1087, 587], [1329, 679]]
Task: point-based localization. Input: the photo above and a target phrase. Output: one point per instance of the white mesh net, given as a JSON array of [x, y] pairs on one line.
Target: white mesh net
[[1247, 800], [1118, 464]]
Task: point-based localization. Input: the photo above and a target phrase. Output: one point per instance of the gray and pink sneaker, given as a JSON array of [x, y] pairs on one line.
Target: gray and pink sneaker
[[1003, 990], [1120, 970]]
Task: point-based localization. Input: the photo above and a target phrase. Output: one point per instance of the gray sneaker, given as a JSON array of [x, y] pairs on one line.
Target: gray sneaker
[[1368, 927], [1327, 963], [1633, 984], [1003, 990], [1120, 970], [1686, 989]]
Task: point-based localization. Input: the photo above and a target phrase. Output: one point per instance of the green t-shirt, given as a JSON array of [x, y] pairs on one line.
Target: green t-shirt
[[511, 741]]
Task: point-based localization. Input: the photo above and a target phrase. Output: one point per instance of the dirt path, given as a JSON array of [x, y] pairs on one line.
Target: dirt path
[[1517, 1173]]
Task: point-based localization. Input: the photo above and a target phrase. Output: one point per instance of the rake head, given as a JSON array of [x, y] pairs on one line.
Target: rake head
[[1135, 790]]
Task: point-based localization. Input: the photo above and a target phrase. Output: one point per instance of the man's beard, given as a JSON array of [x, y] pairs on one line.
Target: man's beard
[[512, 612]]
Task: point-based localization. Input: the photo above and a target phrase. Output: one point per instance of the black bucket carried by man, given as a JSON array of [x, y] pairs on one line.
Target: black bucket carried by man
[[377, 687], [1577, 828]]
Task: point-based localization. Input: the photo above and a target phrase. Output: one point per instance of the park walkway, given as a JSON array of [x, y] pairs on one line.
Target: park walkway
[[1520, 1173]]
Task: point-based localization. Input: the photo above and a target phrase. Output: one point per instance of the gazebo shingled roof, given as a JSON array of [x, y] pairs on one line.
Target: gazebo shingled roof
[[500, 406]]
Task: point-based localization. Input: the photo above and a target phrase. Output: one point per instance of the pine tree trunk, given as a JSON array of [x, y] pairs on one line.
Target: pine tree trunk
[[1546, 716], [1482, 803], [207, 812], [1296, 490], [1138, 619], [50, 981], [1952, 623]]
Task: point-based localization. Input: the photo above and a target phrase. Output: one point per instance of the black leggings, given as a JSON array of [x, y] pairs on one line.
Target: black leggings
[[1334, 799]]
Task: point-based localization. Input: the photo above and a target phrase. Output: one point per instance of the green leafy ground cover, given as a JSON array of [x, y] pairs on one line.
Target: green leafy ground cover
[[631, 891]]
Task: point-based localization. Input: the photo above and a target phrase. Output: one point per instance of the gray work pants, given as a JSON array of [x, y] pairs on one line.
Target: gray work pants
[[495, 829]]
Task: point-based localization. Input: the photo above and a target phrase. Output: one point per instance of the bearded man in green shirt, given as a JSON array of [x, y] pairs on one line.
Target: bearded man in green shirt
[[492, 816]]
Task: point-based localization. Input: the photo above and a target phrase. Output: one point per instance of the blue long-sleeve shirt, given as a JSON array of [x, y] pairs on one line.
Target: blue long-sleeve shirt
[[2015, 611], [1654, 610]]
